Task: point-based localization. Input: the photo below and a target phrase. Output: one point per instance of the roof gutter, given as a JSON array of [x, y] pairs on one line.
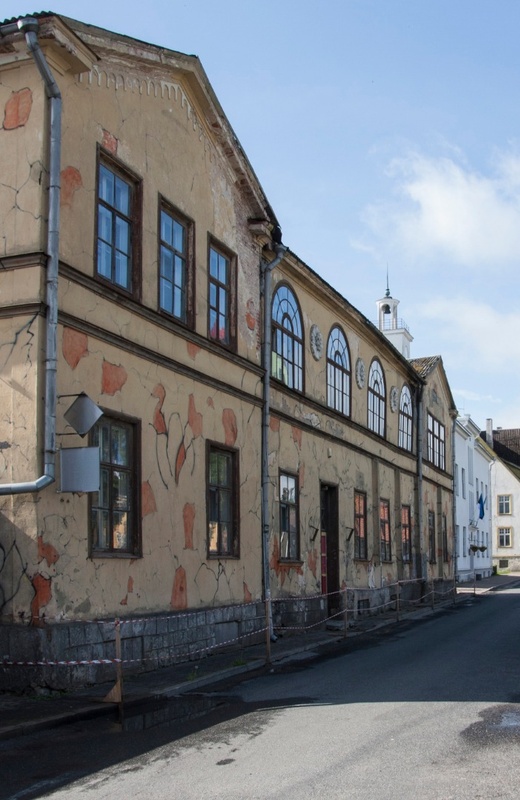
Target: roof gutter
[[28, 26]]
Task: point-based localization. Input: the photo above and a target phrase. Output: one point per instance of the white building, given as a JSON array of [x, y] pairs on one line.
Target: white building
[[473, 541], [505, 496]]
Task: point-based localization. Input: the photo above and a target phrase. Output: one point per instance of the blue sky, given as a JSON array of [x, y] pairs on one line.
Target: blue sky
[[386, 134]]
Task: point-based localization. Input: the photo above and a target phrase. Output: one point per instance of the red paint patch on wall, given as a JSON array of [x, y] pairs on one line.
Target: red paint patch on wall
[[17, 109], [179, 599], [179, 461], [210, 403], [42, 595], [297, 436], [130, 587], [194, 418], [192, 349], [312, 560], [47, 552], [70, 182], [109, 142], [159, 422], [251, 315], [74, 346], [274, 424], [229, 422], [281, 569], [148, 504], [188, 515], [248, 597], [113, 379]]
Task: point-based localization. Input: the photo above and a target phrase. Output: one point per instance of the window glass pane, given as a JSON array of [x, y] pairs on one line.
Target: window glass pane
[[213, 263], [178, 236], [166, 228], [120, 530], [121, 489], [119, 445], [104, 260], [122, 272], [166, 295], [167, 263], [122, 235], [106, 185], [105, 224], [122, 196]]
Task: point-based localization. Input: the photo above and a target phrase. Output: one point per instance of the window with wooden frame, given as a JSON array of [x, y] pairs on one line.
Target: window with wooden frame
[[287, 339], [384, 525], [505, 537], [222, 502], [432, 546], [221, 295], [118, 225], [504, 504], [289, 518], [360, 526], [176, 264], [406, 534], [376, 398], [338, 372], [436, 442], [445, 552], [405, 419], [115, 525]]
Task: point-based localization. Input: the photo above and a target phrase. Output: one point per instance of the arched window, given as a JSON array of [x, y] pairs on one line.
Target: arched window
[[287, 339], [376, 398], [338, 372], [405, 419]]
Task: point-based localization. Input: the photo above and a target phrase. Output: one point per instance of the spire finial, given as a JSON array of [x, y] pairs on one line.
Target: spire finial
[[387, 284]]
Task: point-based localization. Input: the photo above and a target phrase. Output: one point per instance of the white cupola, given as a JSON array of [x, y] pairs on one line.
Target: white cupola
[[388, 322]]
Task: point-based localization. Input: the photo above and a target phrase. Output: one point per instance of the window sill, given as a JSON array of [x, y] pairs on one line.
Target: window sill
[[111, 554], [290, 562]]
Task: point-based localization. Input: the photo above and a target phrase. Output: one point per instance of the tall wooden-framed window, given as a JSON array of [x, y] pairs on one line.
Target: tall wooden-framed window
[[436, 442], [405, 419], [376, 398], [406, 534], [118, 225], [432, 545], [504, 504], [360, 526], [384, 525], [222, 502], [338, 372], [445, 551], [289, 518], [505, 537], [176, 263], [287, 339], [115, 525], [221, 294]]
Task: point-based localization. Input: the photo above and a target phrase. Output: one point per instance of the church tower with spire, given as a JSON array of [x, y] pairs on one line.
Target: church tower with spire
[[388, 322]]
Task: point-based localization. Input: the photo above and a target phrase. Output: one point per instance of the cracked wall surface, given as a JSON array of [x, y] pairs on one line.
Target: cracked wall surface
[[181, 390]]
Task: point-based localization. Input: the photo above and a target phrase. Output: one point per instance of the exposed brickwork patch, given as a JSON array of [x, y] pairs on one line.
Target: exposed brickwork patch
[[188, 515], [248, 597], [159, 422], [17, 109], [312, 560], [194, 418], [179, 599], [47, 552], [74, 346], [42, 595], [148, 504], [70, 182], [109, 142], [229, 422], [274, 424], [113, 379], [297, 436], [192, 349]]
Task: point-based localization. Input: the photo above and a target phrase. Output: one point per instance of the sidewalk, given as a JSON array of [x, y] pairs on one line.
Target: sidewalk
[[20, 715]]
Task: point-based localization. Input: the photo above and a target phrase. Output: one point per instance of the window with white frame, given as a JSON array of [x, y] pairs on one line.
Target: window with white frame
[[504, 503], [338, 372], [405, 419], [505, 538], [376, 398]]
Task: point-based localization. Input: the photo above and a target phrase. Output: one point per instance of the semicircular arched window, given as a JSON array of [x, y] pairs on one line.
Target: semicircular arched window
[[287, 339], [405, 419], [338, 372], [376, 398]]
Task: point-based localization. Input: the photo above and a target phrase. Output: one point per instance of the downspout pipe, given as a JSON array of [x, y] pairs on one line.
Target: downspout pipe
[[28, 26], [266, 271], [421, 566]]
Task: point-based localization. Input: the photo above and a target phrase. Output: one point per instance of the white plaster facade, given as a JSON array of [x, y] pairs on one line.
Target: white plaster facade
[[472, 519]]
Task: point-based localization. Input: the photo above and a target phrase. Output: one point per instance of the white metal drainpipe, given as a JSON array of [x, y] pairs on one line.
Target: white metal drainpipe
[[28, 26], [267, 269]]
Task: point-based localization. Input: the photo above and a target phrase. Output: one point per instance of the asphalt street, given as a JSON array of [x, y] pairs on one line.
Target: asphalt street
[[429, 708]]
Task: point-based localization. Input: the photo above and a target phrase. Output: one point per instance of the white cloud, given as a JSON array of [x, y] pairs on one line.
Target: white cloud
[[443, 211]]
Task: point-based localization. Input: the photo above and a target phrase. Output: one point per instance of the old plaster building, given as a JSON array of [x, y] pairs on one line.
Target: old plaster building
[[192, 420]]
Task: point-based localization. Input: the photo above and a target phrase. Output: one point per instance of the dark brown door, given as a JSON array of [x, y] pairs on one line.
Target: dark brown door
[[329, 547]]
